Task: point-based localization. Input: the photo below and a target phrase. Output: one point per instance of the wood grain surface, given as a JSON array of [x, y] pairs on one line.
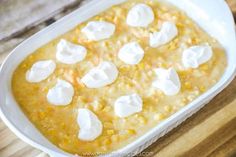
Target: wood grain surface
[[210, 132], [31, 14]]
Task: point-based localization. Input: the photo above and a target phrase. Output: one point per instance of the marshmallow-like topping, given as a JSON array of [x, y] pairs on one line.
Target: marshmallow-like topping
[[89, 124], [104, 74], [40, 71], [196, 55], [141, 15], [131, 53], [167, 81], [167, 33], [61, 94], [70, 53], [99, 30], [127, 105]]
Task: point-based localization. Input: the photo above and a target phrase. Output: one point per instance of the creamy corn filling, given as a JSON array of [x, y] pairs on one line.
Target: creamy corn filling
[[59, 122]]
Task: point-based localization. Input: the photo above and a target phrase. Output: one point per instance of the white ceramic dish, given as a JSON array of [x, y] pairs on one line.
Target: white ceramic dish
[[213, 16]]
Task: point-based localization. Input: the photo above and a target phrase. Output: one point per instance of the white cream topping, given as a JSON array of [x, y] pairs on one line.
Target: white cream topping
[[61, 94], [141, 15], [104, 74], [99, 30], [40, 71], [196, 55], [89, 124], [70, 53], [127, 105], [131, 53], [167, 81], [167, 33]]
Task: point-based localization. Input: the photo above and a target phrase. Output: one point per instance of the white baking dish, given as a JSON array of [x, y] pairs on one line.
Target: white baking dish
[[213, 16]]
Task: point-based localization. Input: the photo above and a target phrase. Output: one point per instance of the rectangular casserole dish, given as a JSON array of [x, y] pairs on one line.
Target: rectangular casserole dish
[[213, 16]]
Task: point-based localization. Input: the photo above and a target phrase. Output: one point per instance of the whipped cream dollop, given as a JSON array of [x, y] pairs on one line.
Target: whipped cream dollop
[[99, 30], [40, 71], [167, 81], [131, 53], [70, 53], [141, 15], [196, 55], [127, 105], [167, 33], [89, 124], [61, 94], [104, 74]]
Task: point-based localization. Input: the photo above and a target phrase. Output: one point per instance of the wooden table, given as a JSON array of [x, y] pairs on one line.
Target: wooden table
[[210, 132]]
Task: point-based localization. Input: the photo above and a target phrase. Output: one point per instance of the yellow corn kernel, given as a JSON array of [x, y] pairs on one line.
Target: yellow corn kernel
[[187, 85], [137, 74], [107, 109], [184, 100], [77, 31], [24, 65], [62, 145], [115, 138], [66, 140], [129, 85], [131, 131], [81, 99], [122, 69], [123, 136], [36, 88], [49, 109], [163, 65], [150, 2], [142, 120], [105, 44], [31, 57], [119, 11], [74, 39], [189, 40], [108, 125], [194, 41], [164, 8], [182, 104], [151, 108], [100, 19], [63, 125], [115, 19], [141, 66], [159, 116], [202, 88], [107, 141], [172, 46], [168, 108], [45, 89], [205, 67], [136, 115], [42, 115], [51, 132], [180, 25], [88, 106], [152, 30], [111, 132]]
